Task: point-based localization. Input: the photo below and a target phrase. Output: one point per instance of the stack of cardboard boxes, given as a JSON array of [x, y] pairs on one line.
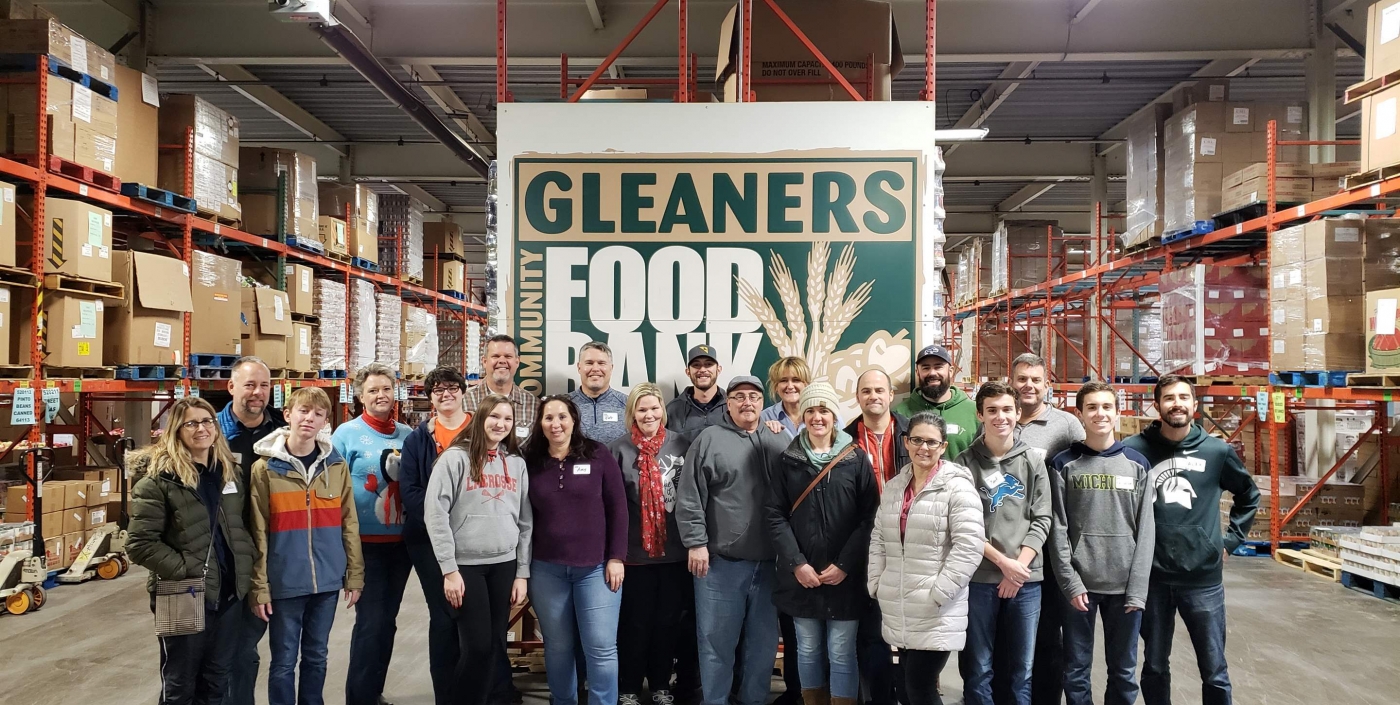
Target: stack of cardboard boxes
[[72, 511], [446, 256], [258, 171], [1316, 297], [267, 324], [216, 327], [1146, 184], [1024, 252], [1381, 281], [7, 259], [1293, 183], [78, 243], [357, 210], [1214, 320], [1142, 328], [147, 327], [328, 341], [215, 158], [1380, 140]]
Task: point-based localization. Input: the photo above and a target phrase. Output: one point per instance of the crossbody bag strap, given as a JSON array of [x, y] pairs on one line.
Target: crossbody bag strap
[[822, 475]]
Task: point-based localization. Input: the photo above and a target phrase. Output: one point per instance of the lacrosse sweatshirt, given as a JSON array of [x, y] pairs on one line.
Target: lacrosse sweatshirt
[[479, 523], [1187, 479], [1103, 529], [1015, 495], [374, 474]]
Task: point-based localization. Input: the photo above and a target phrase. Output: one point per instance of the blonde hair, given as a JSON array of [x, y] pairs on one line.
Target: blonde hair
[[373, 369], [788, 367], [645, 389], [169, 454], [314, 397]]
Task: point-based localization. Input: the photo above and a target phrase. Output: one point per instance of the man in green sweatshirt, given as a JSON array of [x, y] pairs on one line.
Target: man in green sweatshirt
[[933, 370], [1189, 470]]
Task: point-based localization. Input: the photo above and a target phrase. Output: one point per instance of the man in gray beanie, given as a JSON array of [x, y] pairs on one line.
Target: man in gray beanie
[[720, 514]]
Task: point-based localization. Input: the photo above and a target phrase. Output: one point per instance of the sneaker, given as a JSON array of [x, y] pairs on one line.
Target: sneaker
[[662, 697], [628, 699]]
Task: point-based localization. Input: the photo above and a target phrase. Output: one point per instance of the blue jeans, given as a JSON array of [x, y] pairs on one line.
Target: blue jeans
[[1006, 629], [300, 624], [243, 676], [828, 641], [736, 599], [1120, 637], [387, 566], [1203, 611], [564, 596]]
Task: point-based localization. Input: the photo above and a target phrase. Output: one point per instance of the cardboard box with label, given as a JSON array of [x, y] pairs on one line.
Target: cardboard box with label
[[138, 127], [73, 545], [267, 323], [147, 328], [332, 234], [299, 348], [451, 275], [54, 553], [7, 322], [215, 183], [7, 223], [260, 167], [215, 327], [848, 32], [215, 131], [78, 239], [96, 516], [44, 35], [75, 329], [441, 239], [1380, 146], [299, 278], [359, 206], [1382, 38], [1382, 339]]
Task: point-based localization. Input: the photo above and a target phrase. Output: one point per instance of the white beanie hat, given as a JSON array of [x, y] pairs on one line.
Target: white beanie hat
[[819, 394]]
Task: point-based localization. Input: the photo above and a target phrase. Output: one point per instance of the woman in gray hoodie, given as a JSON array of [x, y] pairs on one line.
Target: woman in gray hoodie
[[479, 521]]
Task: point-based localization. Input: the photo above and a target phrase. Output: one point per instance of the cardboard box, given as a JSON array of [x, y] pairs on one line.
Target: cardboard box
[[54, 552], [75, 329], [1205, 90], [1380, 144], [1256, 190], [7, 224], [443, 239], [1382, 38], [331, 233], [1337, 315], [215, 131], [1335, 170], [299, 277], [1261, 171], [73, 545], [7, 322], [451, 275], [267, 325], [215, 183], [1333, 351], [299, 348], [363, 243], [848, 32], [96, 516], [359, 206], [259, 212], [1145, 182], [79, 236], [259, 168], [147, 328], [1382, 339], [44, 35], [138, 127], [74, 520], [1381, 269], [1331, 276], [215, 326]]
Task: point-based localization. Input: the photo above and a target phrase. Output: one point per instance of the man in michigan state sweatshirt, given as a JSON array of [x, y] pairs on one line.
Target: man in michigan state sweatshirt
[[1189, 471], [1102, 538]]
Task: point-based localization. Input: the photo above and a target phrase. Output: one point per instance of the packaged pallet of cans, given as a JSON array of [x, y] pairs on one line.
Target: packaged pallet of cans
[[328, 340], [363, 331], [388, 319], [402, 217]]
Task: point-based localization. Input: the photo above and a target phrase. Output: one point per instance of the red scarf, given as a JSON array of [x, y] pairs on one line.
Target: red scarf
[[385, 427], [653, 497]]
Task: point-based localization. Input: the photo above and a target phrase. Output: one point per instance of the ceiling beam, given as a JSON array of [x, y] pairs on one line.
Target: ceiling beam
[[449, 101], [1084, 11], [594, 13], [432, 202], [1024, 196], [272, 101], [1219, 67], [992, 98]]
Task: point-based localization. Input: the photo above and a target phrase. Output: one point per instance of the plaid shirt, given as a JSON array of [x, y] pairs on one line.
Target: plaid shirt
[[525, 404]]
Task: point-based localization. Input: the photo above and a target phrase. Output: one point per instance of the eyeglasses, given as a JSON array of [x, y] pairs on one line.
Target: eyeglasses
[[447, 391], [752, 396], [192, 425], [930, 443]]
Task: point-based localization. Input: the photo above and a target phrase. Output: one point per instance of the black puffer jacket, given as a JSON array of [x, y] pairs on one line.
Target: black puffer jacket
[[169, 531], [832, 526]]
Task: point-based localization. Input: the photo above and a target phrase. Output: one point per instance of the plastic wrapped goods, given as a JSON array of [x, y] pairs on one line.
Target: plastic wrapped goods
[[1214, 320], [1020, 254], [388, 319], [419, 342], [328, 342], [363, 331], [402, 216]]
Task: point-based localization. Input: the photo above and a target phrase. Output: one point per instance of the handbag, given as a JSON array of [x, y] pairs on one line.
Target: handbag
[[180, 603], [825, 471]]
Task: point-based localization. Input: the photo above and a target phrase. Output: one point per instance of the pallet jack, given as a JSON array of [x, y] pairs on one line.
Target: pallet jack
[[104, 555], [23, 572]]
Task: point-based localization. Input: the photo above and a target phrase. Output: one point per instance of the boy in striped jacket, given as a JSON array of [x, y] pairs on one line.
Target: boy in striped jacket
[[307, 540]]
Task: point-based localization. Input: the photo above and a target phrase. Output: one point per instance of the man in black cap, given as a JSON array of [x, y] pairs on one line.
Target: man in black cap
[[933, 370], [700, 405]]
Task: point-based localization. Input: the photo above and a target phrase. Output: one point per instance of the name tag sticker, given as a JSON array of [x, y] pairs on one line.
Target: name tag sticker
[[230, 488], [995, 479], [521, 432], [238, 458], [953, 429], [1125, 483], [582, 468], [610, 416]]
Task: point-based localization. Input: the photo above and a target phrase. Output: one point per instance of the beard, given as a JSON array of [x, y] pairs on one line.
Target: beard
[[1168, 419], [934, 388]]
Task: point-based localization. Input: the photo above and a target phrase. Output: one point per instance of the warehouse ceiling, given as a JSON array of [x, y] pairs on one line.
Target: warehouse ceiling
[[1052, 80]]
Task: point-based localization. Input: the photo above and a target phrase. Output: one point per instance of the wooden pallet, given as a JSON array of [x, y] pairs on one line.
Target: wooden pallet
[[306, 318], [277, 373], [341, 257], [1210, 381], [16, 371], [15, 276], [302, 374], [1374, 176], [1369, 380], [75, 171], [69, 284], [51, 372], [1310, 561], [1357, 91]]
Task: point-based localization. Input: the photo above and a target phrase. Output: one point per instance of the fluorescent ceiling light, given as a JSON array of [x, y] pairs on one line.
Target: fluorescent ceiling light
[[971, 134]]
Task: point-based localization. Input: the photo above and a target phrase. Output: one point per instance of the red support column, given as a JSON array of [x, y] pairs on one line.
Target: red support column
[[502, 82], [684, 52], [930, 37]]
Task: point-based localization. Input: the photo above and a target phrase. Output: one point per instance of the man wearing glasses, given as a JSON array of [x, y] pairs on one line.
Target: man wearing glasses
[[720, 515], [501, 361], [446, 392], [246, 420], [600, 407]]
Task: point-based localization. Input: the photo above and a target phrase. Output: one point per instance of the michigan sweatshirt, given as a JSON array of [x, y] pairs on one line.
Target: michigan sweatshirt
[[1103, 532]]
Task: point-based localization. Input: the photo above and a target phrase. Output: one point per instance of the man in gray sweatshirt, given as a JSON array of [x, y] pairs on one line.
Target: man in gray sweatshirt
[[1004, 597], [719, 512], [1103, 536]]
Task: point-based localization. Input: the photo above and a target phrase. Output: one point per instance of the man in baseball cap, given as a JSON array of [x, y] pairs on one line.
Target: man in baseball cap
[[701, 404], [720, 515], [933, 373]]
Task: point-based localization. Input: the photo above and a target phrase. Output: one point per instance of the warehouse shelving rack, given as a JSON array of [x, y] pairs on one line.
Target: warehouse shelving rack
[[176, 232], [1268, 409]]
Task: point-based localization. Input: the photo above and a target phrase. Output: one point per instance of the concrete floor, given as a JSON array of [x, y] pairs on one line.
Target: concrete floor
[[1294, 638]]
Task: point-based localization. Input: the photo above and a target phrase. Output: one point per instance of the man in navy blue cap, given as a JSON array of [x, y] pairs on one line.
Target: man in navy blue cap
[[702, 404], [933, 372]]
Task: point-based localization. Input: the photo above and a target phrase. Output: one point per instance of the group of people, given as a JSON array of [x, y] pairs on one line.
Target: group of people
[[666, 548]]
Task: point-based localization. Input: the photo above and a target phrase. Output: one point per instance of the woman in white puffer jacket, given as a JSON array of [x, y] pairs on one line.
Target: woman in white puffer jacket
[[926, 544]]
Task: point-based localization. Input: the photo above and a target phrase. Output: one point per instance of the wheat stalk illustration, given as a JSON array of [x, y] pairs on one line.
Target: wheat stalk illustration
[[763, 311], [816, 290], [791, 297]]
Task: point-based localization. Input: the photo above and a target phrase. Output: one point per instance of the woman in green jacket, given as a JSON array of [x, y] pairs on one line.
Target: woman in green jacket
[[187, 522]]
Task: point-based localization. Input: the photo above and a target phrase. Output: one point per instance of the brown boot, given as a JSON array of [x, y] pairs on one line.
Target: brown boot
[[817, 696], [843, 701]]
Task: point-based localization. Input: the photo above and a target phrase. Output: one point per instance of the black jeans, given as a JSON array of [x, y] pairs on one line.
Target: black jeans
[[442, 631], [687, 648], [387, 566], [481, 624], [921, 671], [194, 669], [246, 632], [649, 625], [876, 661], [789, 632]]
